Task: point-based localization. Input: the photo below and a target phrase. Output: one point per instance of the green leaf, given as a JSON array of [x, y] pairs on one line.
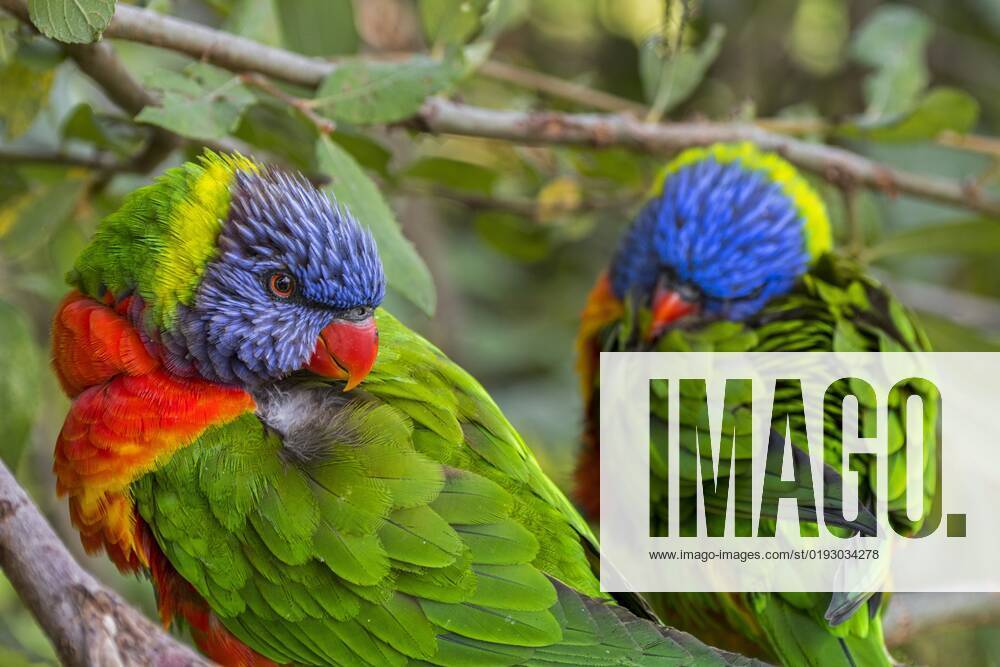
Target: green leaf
[[941, 109], [514, 235], [892, 40], [278, 128], [451, 21], [365, 92], [72, 21], [501, 15], [980, 236], [20, 370], [369, 153], [947, 336], [350, 186], [12, 184], [256, 20], [318, 27], [10, 657], [452, 173], [668, 81], [617, 165], [8, 40], [25, 93], [28, 220], [101, 130], [203, 103], [81, 123]]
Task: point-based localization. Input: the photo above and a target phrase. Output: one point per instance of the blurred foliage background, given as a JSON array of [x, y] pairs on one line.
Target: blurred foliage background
[[508, 238]]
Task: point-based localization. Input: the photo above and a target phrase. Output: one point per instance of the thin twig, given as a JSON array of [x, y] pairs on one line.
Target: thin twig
[[99, 62], [602, 101], [96, 162], [988, 175], [973, 143], [323, 125], [598, 100], [794, 126], [560, 88], [87, 623], [443, 117], [528, 208], [970, 142]]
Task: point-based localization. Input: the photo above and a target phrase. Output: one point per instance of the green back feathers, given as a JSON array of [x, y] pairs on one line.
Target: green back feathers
[[776, 169], [407, 526], [460, 425], [160, 240]]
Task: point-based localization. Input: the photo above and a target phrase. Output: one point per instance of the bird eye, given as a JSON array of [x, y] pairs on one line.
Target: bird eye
[[281, 284], [358, 313]]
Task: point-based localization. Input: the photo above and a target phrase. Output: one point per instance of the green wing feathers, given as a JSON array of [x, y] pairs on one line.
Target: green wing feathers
[[405, 524]]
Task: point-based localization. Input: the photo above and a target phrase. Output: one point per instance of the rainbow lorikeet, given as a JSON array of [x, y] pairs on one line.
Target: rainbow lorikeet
[[732, 252], [304, 479]]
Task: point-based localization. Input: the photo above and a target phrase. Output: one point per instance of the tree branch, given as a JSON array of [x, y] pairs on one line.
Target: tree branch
[[87, 623], [445, 117], [223, 49], [96, 162], [322, 125], [970, 142], [440, 116], [99, 62], [561, 88], [525, 207], [602, 101], [973, 143]]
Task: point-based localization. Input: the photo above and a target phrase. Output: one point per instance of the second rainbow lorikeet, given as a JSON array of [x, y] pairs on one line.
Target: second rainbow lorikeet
[[732, 252], [304, 479]]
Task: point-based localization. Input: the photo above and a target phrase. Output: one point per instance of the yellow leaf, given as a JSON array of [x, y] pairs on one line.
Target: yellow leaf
[[12, 211], [25, 93], [558, 197]]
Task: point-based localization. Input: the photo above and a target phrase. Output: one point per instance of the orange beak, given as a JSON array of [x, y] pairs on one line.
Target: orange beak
[[668, 307], [346, 351]]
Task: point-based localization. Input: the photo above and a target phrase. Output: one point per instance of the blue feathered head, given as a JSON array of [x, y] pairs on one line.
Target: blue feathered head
[[293, 285], [727, 229]]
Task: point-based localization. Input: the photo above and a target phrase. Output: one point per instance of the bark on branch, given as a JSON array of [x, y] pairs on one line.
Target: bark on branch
[[99, 62], [87, 623], [441, 116], [602, 130]]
